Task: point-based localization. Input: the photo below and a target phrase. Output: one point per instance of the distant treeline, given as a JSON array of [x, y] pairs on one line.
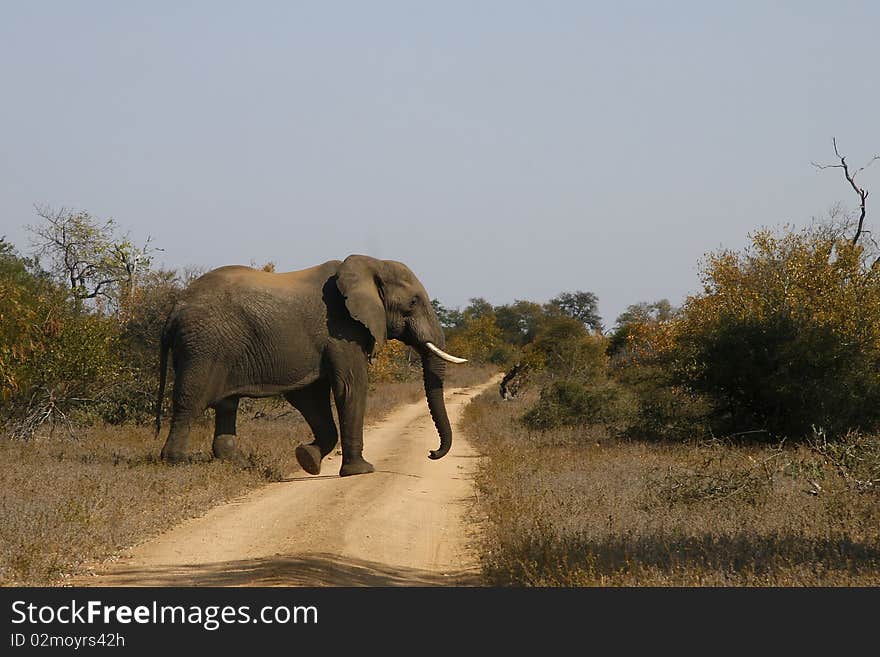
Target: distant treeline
[[782, 342]]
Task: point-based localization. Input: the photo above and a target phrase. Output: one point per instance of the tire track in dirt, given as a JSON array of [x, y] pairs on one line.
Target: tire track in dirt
[[405, 524]]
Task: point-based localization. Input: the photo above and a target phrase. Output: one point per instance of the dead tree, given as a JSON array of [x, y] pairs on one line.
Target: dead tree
[[861, 191], [512, 381]]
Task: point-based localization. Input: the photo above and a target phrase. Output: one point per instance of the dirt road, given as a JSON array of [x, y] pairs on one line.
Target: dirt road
[[402, 525]]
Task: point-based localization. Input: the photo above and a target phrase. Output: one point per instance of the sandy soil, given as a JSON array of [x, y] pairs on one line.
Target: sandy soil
[[401, 525]]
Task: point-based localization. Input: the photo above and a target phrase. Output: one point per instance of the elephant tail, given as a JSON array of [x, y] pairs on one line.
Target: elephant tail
[[164, 346]]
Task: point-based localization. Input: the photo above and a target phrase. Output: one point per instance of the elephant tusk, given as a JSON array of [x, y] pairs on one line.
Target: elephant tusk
[[444, 355]]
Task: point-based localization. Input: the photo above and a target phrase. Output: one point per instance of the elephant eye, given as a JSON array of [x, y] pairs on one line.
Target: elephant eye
[[414, 302]]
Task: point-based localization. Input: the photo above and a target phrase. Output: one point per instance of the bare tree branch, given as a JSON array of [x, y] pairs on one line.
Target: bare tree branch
[[851, 179]]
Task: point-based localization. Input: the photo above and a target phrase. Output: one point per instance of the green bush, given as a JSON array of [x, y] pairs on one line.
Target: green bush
[[665, 410], [785, 337], [577, 390], [565, 349], [394, 362], [54, 360], [572, 403], [62, 362], [478, 339], [141, 319]]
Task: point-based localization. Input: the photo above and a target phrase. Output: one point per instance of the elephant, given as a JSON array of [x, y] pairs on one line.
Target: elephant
[[241, 332]]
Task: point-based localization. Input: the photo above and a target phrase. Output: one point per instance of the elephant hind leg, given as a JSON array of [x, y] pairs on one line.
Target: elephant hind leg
[[176, 448], [314, 403], [189, 400], [225, 446]]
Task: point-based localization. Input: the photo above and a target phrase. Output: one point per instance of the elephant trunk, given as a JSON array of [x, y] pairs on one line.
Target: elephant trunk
[[433, 371]]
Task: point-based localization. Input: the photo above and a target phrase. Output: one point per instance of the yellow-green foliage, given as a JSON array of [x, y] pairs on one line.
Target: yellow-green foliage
[[566, 349], [643, 361], [140, 319], [574, 367], [784, 337], [479, 340], [809, 276], [51, 356], [394, 362], [62, 361]]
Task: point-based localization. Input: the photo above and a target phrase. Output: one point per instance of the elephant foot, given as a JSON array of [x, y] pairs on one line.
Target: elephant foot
[[357, 467], [174, 457], [309, 458], [226, 449]]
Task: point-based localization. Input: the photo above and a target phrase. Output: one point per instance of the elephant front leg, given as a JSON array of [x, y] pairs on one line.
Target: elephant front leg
[[351, 401]]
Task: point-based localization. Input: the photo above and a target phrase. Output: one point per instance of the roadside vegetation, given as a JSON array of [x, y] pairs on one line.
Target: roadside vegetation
[[731, 441], [734, 440], [578, 506], [81, 478], [69, 502]]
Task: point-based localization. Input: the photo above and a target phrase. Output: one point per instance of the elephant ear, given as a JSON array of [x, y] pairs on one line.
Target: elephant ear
[[360, 282]]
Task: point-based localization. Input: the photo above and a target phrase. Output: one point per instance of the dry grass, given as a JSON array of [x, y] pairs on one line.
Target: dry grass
[[576, 508], [65, 503]]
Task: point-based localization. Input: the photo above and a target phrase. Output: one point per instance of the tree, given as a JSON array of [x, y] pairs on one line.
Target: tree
[[88, 256], [860, 191], [566, 349], [478, 308], [635, 323], [644, 312], [478, 340], [636, 316], [450, 318], [579, 305], [520, 321]]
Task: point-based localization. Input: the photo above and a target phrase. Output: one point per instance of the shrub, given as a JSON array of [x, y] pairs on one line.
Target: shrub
[[54, 360], [62, 361], [565, 349], [141, 317], [570, 403], [633, 322], [785, 336], [394, 362], [479, 340], [577, 390], [665, 410]]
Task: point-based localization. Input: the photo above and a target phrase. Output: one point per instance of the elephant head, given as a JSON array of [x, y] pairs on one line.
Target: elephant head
[[388, 299]]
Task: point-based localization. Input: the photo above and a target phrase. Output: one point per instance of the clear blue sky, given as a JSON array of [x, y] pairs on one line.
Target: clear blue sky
[[501, 149]]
